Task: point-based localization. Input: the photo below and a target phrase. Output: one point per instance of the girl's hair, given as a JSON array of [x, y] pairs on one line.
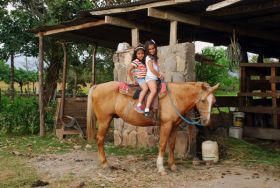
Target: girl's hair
[[139, 47], [147, 44]]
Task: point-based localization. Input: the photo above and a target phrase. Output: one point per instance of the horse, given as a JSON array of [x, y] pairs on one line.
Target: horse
[[105, 102]]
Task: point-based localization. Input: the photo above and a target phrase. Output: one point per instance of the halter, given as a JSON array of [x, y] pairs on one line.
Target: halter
[[188, 121]]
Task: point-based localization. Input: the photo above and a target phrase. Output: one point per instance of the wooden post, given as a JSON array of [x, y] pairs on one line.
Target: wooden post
[[93, 72], [274, 99], [135, 37], [41, 91], [173, 33], [62, 102]]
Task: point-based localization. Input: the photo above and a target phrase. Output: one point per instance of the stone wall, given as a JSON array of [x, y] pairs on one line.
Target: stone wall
[[177, 65]]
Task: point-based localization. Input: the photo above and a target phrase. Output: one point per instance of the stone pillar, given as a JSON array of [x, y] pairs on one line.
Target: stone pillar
[[178, 65]]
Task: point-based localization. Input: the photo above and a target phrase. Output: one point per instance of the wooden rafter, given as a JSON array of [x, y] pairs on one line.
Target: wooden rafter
[[249, 8], [137, 7], [131, 25], [74, 27], [210, 24], [221, 4]]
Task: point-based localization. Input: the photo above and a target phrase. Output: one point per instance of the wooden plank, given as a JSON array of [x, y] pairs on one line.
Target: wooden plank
[[259, 64], [248, 8], [259, 109], [258, 94], [135, 37], [41, 91], [210, 24], [173, 33], [221, 4], [132, 25], [75, 27], [262, 133], [137, 7]]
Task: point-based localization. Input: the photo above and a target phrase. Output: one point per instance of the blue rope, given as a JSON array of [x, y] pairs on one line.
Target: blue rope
[[188, 121]]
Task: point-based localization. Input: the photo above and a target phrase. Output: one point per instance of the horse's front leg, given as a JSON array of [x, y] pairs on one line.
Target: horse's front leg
[[165, 130], [172, 142]]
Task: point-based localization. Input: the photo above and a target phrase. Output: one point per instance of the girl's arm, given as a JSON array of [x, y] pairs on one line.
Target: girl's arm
[[129, 72], [151, 67]]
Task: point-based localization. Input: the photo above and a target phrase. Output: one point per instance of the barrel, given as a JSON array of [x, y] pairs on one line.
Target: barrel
[[238, 119], [210, 151]]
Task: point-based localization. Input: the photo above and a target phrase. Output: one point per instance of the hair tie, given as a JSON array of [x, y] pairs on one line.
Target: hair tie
[[153, 41]]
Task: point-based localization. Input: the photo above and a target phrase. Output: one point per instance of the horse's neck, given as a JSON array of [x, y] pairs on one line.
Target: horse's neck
[[186, 95]]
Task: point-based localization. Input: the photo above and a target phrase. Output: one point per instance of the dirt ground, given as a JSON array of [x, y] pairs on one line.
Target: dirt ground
[[80, 168]]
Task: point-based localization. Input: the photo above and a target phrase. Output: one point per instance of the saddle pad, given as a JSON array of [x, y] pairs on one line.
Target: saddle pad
[[129, 90]]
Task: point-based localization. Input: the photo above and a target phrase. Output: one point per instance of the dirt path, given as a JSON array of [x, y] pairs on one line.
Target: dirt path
[[68, 170]]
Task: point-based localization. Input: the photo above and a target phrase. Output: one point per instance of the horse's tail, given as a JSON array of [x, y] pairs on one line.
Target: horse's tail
[[91, 119]]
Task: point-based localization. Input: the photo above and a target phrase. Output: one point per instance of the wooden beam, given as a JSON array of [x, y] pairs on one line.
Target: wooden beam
[[135, 37], [132, 25], [63, 86], [138, 7], [73, 28], [221, 4], [249, 8], [93, 71], [210, 24], [41, 90], [263, 19], [173, 33]]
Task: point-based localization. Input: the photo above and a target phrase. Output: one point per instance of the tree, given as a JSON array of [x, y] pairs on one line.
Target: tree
[[217, 74], [13, 37]]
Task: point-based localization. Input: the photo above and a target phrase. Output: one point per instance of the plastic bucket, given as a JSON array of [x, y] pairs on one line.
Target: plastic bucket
[[210, 151], [236, 132], [238, 119]]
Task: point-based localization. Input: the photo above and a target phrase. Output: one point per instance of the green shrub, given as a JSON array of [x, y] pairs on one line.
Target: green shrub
[[21, 116]]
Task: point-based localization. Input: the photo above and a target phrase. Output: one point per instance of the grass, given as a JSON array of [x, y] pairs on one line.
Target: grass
[[249, 153], [124, 151]]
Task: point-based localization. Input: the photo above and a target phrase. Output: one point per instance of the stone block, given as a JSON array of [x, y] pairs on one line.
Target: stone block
[[116, 58], [128, 127], [178, 77], [142, 137], [181, 146], [118, 124], [152, 141], [132, 139], [122, 74], [117, 138], [125, 140], [181, 63], [170, 64]]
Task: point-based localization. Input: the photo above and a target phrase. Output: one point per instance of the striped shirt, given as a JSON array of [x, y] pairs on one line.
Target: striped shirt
[[140, 69]]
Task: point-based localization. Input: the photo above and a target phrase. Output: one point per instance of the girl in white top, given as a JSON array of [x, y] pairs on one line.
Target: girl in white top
[[152, 73]]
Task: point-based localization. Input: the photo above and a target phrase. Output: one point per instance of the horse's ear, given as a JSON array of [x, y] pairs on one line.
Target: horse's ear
[[215, 87]]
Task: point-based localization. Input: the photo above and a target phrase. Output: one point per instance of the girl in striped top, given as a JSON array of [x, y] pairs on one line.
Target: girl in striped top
[[137, 73]]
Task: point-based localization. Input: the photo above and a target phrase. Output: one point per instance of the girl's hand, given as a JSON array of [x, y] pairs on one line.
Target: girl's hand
[[135, 82], [161, 76]]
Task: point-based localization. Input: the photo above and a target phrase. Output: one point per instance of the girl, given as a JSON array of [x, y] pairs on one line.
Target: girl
[[152, 73], [139, 71]]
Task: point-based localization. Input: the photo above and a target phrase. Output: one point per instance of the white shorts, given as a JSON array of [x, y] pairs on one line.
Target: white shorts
[[148, 78]]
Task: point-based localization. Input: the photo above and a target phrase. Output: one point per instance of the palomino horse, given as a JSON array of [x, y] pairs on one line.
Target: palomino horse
[[105, 102]]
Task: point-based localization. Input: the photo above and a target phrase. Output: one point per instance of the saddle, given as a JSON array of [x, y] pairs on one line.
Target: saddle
[[133, 91]]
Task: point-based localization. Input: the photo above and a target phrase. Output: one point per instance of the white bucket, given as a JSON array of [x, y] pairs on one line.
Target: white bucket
[[238, 119], [210, 151], [236, 132]]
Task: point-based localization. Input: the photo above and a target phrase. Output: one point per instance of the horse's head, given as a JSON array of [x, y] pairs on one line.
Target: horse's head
[[205, 101]]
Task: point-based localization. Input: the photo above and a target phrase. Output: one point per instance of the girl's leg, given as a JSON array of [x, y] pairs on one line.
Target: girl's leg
[[144, 90], [153, 90]]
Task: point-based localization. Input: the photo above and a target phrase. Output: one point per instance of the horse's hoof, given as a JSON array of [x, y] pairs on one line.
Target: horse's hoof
[[163, 173], [173, 168], [105, 166]]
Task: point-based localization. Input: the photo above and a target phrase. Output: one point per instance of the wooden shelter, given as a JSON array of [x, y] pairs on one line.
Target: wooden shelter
[[255, 22]]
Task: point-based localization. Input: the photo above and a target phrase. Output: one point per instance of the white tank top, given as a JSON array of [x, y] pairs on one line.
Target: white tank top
[[149, 74]]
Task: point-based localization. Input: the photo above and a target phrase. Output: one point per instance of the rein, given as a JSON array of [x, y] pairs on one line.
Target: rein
[[188, 121]]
